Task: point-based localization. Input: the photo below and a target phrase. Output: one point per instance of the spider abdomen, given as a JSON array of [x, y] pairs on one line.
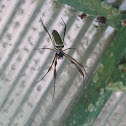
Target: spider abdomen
[[57, 39]]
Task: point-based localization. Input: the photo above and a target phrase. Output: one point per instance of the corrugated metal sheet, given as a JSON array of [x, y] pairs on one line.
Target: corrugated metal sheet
[[114, 112], [22, 101]]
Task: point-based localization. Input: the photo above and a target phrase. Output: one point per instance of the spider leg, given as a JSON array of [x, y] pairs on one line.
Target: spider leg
[[71, 48], [48, 69], [45, 48], [55, 74], [78, 70], [76, 62], [81, 72], [64, 30], [47, 32]]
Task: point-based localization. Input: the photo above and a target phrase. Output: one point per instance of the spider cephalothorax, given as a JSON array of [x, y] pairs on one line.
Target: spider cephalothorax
[[59, 53]]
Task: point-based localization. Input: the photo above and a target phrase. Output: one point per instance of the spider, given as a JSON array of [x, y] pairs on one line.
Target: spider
[[101, 19], [58, 44], [83, 15]]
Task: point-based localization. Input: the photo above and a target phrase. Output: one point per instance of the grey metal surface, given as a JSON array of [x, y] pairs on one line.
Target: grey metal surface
[[22, 101]]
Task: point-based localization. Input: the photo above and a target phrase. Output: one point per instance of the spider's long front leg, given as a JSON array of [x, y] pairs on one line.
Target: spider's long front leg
[[64, 30], [48, 69], [55, 75], [76, 62], [47, 32]]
